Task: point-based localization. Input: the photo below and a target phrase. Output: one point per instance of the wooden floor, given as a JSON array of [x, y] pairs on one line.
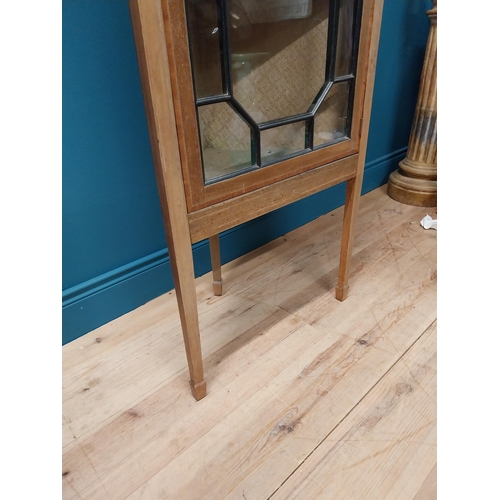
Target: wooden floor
[[308, 397]]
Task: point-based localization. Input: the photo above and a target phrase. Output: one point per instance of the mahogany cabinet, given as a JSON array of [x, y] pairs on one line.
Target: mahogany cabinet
[[251, 105]]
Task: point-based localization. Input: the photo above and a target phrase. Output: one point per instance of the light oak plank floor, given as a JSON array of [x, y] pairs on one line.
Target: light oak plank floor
[[308, 397]]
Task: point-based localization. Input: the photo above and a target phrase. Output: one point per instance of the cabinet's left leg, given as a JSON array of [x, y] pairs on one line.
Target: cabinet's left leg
[[183, 273], [216, 266], [149, 33]]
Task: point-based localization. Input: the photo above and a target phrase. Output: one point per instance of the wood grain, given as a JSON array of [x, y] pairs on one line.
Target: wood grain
[[287, 365], [386, 446], [101, 369], [428, 490]]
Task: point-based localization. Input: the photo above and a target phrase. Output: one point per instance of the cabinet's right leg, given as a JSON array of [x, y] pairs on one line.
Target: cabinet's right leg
[[216, 266], [350, 212]]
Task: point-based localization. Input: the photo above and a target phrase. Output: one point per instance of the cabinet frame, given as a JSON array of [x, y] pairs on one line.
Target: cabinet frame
[[193, 211]]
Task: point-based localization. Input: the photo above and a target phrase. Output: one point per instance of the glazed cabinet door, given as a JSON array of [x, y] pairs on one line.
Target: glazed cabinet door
[[263, 89], [252, 105]]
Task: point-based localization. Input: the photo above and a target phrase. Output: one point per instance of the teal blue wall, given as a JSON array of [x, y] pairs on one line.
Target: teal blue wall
[[114, 253]]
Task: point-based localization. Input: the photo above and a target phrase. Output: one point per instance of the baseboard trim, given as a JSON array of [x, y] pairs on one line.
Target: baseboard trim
[[98, 301]]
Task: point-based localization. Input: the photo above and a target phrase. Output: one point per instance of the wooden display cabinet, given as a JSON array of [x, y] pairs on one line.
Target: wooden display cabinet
[[251, 105]]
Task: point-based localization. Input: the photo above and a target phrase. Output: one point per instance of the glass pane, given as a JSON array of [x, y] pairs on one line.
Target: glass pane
[[278, 55], [345, 38], [225, 140], [282, 141], [205, 52], [330, 122]]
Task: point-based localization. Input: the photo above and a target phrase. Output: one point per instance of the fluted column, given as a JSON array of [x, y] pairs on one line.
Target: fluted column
[[415, 182]]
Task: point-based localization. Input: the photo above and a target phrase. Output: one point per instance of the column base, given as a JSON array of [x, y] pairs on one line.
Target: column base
[[411, 191]]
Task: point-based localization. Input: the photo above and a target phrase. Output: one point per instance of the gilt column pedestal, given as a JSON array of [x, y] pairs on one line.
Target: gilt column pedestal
[[415, 182]]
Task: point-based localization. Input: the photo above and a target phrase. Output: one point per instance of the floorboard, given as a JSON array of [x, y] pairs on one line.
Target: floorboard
[[386, 446], [290, 371]]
